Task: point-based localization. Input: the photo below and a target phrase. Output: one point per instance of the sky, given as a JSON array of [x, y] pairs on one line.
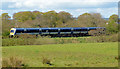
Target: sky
[[75, 7]]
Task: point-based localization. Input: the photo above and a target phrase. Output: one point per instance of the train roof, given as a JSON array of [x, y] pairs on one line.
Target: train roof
[[62, 28]]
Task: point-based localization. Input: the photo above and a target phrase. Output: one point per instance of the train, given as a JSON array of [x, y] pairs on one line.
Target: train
[[55, 32]]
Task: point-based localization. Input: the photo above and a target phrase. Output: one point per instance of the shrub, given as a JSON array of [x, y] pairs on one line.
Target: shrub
[[6, 34], [13, 62], [27, 36], [17, 41], [46, 40], [46, 61], [109, 38]]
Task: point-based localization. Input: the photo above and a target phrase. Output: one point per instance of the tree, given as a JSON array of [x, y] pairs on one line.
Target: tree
[[97, 20], [23, 16], [112, 26], [6, 24], [5, 16], [114, 18], [91, 20], [64, 18], [47, 19], [0, 25], [37, 14], [84, 20], [51, 17]]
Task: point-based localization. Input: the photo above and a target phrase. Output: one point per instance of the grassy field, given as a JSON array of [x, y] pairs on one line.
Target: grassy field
[[65, 55]]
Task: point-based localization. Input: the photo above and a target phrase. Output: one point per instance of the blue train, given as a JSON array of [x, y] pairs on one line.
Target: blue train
[[54, 32]]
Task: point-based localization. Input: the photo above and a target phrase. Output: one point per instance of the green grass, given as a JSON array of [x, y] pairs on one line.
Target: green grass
[[61, 55]]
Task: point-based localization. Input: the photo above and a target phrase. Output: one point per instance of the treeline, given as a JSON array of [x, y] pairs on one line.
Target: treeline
[[36, 19]]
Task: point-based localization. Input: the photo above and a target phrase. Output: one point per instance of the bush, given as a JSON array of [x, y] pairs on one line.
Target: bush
[[46, 61], [27, 36], [13, 62], [109, 38], [6, 34], [46, 40], [17, 41]]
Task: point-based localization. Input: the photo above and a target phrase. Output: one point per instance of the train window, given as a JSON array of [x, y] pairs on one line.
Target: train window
[[32, 30], [65, 30], [53, 30], [80, 29], [83, 29], [76, 29], [20, 31], [44, 30], [12, 31]]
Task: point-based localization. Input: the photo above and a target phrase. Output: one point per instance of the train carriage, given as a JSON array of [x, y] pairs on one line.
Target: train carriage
[[77, 31]]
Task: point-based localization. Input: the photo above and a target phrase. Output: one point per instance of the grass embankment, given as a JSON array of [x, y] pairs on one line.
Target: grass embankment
[[62, 40], [59, 55]]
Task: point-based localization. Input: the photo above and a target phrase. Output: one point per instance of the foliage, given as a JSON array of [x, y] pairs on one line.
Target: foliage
[[36, 19], [104, 38], [5, 16], [32, 40], [23, 16], [114, 18], [13, 62], [46, 61], [7, 24], [112, 26], [6, 33], [91, 20]]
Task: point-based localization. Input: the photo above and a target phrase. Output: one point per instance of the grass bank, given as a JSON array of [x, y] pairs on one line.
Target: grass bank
[[63, 40]]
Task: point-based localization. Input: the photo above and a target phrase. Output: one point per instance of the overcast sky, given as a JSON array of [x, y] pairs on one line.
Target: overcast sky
[[76, 7]]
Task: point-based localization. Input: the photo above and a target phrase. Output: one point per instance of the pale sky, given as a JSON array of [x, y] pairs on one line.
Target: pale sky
[[75, 7]]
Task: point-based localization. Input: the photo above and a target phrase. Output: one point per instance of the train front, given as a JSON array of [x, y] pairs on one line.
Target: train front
[[12, 32]]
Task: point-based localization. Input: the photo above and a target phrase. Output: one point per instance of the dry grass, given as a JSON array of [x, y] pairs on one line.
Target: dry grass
[[46, 61], [13, 62], [30, 40]]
